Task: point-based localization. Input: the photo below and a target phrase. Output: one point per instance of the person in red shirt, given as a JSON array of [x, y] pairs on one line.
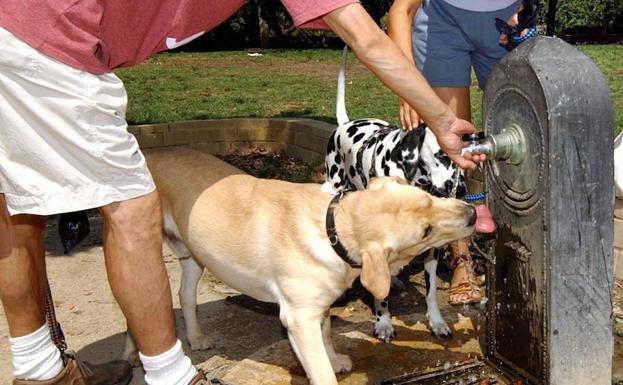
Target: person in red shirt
[[64, 147]]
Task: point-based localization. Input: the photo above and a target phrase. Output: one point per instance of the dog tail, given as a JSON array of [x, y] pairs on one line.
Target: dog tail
[[340, 105]]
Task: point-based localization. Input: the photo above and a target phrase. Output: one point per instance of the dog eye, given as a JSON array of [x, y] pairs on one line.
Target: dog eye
[[427, 232]]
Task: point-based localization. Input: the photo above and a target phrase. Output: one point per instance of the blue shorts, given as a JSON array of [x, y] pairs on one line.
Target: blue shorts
[[449, 41]]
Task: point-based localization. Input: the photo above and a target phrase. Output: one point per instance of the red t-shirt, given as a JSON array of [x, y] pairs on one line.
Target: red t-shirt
[[97, 36]]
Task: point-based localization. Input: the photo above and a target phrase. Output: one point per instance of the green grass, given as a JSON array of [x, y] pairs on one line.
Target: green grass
[[285, 83], [609, 59]]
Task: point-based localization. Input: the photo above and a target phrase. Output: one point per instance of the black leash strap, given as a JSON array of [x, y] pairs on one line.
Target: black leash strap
[[58, 337]]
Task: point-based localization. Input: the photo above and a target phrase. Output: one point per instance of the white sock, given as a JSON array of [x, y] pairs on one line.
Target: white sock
[[35, 357], [172, 367]]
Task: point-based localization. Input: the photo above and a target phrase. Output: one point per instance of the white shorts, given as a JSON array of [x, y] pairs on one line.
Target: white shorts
[[64, 144]]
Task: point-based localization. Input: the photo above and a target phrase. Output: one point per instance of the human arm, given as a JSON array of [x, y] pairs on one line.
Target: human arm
[[399, 26], [383, 57], [513, 20]]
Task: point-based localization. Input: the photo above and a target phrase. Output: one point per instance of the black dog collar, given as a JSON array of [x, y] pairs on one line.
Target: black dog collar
[[332, 233]]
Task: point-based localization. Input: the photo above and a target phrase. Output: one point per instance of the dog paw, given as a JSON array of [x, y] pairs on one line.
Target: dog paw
[[341, 363], [384, 332], [200, 342], [440, 329]]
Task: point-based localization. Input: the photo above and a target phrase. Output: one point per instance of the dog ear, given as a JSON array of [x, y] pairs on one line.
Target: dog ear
[[375, 275]]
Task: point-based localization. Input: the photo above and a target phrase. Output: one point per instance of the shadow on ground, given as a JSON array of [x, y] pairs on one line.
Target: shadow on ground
[[251, 346]]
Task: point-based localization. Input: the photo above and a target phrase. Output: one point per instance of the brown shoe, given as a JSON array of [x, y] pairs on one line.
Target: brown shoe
[[200, 379], [77, 372]]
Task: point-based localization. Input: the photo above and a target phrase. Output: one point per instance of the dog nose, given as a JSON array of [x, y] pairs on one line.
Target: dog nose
[[471, 212]]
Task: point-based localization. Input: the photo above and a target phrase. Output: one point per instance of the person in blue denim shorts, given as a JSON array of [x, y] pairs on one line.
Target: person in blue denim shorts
[[446, 39]]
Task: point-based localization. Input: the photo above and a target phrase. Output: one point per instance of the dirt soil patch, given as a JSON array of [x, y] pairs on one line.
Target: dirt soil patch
[[263, 163], [251, 346]]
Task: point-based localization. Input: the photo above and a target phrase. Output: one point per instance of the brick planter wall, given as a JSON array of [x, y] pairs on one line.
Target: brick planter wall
[[305, 139]]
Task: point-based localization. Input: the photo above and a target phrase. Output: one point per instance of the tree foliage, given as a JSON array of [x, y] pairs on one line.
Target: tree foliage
[[266, 23], [582, 16]]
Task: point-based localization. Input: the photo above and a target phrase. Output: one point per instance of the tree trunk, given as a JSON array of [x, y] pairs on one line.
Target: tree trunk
[[263, 30], [551, 17]]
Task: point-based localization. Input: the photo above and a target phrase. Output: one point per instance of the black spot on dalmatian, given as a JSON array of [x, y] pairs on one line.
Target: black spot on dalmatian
[[443, 191], [402, 149], [359, 170], [410, 170], [331, 144], [414, 139], [379, 149], [409, 147], [352, 131], [333, 171], [443, 158], [357, 124], [359, 136]]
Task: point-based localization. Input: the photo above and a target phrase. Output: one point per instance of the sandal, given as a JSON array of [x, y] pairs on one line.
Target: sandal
[[465, 291]]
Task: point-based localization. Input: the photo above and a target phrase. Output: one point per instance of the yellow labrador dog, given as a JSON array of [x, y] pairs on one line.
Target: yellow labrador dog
[[268, 239]]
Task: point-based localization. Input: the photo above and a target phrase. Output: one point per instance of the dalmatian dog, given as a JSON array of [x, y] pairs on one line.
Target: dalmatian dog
[[364, 148]]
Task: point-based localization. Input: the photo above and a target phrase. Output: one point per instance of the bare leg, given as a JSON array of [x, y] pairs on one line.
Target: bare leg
[[136, 271], [458, 99], [22, 254], [6, 237], [463, 288]]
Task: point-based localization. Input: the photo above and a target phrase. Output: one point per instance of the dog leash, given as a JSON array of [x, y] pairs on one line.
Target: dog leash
[[527, 19], [470, 198], [58, 337]]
